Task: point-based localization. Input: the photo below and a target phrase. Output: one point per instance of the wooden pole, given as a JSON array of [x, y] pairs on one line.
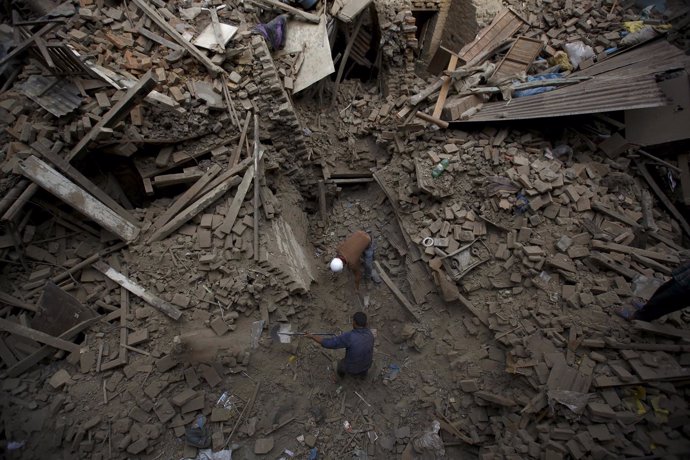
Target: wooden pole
[[257, 175]]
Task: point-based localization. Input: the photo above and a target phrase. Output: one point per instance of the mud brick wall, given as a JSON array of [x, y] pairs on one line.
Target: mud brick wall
[[275, 108]]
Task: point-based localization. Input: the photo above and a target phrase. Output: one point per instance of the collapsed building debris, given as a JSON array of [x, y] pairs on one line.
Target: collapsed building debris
[[208, 158]]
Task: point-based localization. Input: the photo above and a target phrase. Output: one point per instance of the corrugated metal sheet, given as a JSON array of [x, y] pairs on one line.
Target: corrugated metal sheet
[[58, 96], [622, 82]]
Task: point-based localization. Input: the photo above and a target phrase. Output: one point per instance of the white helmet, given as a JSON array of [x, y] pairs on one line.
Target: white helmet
[[336, 265]]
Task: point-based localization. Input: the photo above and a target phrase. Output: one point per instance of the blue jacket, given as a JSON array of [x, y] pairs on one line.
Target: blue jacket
[[359, 349]]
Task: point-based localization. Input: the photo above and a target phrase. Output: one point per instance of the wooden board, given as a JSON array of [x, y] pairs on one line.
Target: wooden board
[[683, 163], [398, 295], [624, 249], [662, 329], [33, 359], [156, 302], [38, 336], [143, 87], [504, 25], [58, 311], [237, 201], [57, 184], [519, 58]]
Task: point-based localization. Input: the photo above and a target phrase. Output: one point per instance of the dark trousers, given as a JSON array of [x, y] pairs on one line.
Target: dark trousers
[[670, 297], [342, 372]]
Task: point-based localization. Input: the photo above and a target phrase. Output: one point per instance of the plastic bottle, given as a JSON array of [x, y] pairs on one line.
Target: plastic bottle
[[439, 168]]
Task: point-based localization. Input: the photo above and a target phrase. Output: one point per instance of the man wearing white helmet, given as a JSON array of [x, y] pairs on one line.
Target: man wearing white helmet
[[350, 252]]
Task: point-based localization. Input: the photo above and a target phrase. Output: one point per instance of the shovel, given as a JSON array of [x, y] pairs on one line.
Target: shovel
[[284, 330]]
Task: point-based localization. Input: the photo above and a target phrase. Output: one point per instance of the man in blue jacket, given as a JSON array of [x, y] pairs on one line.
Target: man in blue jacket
[[671, 296], [358, 345]]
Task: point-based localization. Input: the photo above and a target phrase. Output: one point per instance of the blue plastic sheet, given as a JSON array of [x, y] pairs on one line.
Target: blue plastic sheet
[[543, 89]]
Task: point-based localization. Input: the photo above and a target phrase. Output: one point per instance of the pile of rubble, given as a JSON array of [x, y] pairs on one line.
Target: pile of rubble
[[187, 138]]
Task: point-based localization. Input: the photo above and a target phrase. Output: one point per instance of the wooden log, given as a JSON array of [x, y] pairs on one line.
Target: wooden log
[[149, 11], [38, 336], [33, 359], [653, 264], [156, 302], [11, 196], [426, 92], [87, 262], [58, 185], [426, 117], [236, 154], [20, 202], [396, 292], [194, 209]]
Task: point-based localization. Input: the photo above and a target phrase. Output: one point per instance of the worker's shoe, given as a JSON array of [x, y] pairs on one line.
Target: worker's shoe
[[629, 312]]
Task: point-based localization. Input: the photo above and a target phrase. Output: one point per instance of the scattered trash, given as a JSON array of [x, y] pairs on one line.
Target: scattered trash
[[391, 372], [257, 329], [313, 454], [578, 52], [430, 442], [347, 426], [573, 400], [440, 168], [208, 454], [198, 435], [14, 445]]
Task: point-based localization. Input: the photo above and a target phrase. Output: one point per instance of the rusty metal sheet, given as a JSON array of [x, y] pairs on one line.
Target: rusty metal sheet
[[625, 81]]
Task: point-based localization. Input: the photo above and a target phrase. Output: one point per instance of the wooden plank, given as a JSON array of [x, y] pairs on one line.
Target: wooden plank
[[225, 175], [612, 265], [346, 53], [441, 101], [23, 46], [662, 329], [313, 18], [518, 59], [234, 210], [166, 180], [74, 174], [624, 249], [33, 359], [653, 264], [38, 336], [144, 6], [58, 185], [642, 168], [600, 207], [236, 154], [504, 25], [257, 173], [156, 302], [158, 39], [13, 301], [6, 354], [396, 292], [186, 197], [20, 202], [142, 88], [684, 164], [194, 209]]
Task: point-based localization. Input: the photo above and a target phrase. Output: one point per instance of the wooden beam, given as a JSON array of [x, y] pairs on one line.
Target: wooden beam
[[642, 168], [662, 329], [224, 176], [346, 53], [6, 354], [441, 101], [20, 202], [194, 209], [72, 173], [683, 163], [38, 336], [23, 46], [612, 265], [236, 154], [426, 117], [142, 88], [398, 295], [13, 301], [624, 249], [186, 197], [151, 12], [257, 173], [58, 185], [158, 39], [33, 359], [288, 9], [237, 201], [156, 302]]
